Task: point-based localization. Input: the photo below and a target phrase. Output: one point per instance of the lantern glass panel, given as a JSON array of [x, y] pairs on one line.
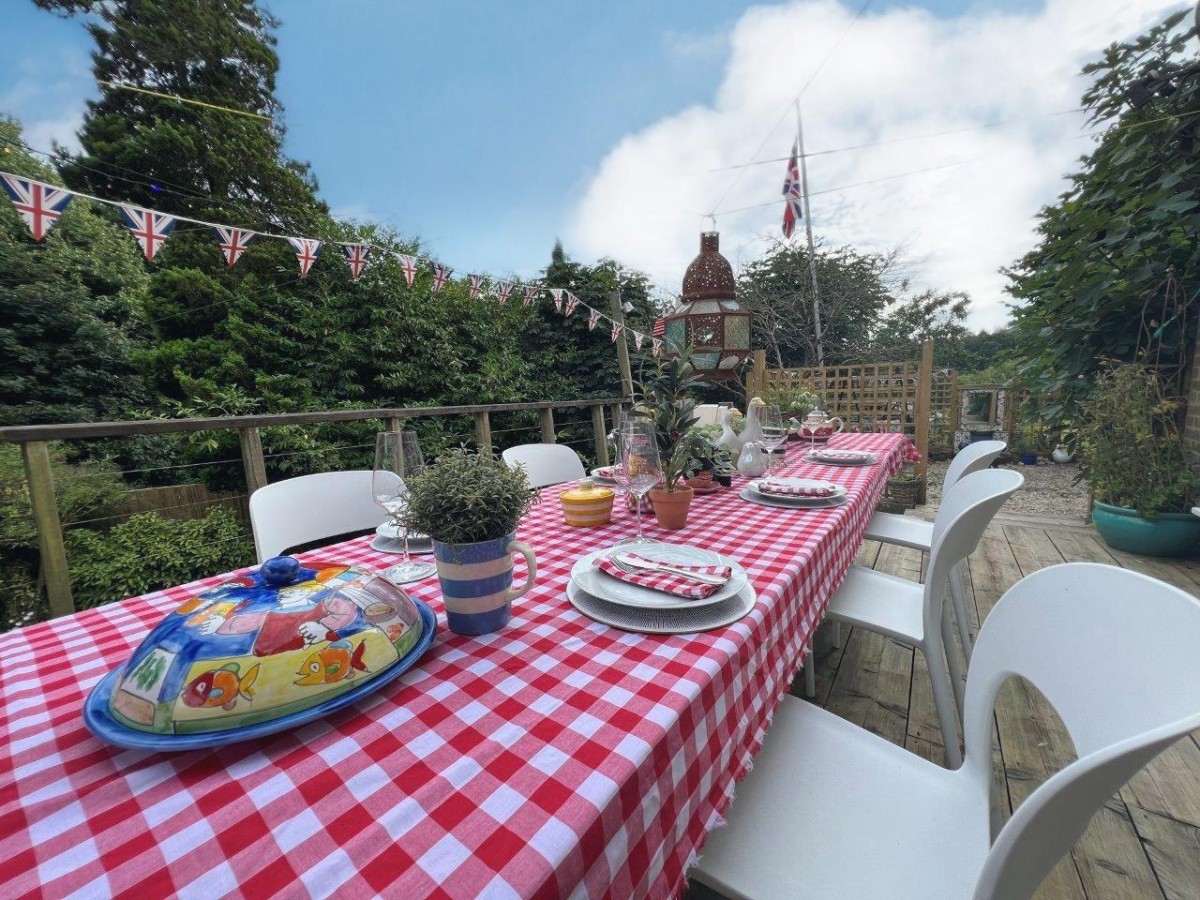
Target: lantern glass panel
[[676, 332], [737, 332]]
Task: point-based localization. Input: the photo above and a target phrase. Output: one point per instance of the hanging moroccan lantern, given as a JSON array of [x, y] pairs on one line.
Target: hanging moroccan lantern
[[708, 318]]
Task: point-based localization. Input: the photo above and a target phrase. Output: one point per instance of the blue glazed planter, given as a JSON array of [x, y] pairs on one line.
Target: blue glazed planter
[[1170, 534], [477, 582]]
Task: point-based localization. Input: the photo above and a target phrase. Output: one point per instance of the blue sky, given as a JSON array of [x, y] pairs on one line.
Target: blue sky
[[483, 127]]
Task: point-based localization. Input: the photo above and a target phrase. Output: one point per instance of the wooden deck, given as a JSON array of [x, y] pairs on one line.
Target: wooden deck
[[1145, 843]]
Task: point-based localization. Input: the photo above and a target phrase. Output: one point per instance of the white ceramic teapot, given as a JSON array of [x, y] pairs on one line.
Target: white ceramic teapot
[[817, 426]]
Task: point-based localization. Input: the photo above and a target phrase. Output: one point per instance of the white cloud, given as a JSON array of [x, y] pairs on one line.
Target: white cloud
[[897, 74]]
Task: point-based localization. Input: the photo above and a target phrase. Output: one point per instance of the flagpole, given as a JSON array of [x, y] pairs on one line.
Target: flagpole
[[812, 256]]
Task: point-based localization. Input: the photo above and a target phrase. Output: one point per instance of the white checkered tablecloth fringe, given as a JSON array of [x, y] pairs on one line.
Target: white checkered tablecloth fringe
[[557, 757]]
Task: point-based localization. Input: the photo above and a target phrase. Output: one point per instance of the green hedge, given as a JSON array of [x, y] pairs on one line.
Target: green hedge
[[150, 552]]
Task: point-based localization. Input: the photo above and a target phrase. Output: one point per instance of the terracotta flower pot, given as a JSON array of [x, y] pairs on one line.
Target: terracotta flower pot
[[671, 507]]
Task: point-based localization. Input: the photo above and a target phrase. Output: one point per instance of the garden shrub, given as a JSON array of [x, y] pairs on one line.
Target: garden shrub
[[150, 552]]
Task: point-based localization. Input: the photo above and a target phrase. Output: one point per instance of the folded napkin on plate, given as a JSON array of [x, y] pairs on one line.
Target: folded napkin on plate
[[668, 583], [607, 471], [783, 489], [843, 455]]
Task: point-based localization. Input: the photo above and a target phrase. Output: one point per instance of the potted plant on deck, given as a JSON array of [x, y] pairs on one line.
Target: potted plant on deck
[[470, 505], [665, 398], [1142, 475]]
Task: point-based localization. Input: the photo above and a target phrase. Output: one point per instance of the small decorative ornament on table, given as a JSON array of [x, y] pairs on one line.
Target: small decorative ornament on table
[[261, 653]]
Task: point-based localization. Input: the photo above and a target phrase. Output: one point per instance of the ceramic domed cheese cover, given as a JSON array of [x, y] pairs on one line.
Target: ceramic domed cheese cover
[[264, 646]]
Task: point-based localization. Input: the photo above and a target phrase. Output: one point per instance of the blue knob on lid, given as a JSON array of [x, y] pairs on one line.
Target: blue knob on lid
[[280, 571]]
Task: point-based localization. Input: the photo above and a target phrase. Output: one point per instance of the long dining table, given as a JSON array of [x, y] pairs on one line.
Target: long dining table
[[558, 757]]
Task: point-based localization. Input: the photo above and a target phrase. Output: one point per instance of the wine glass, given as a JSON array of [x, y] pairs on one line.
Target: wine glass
[[397, 456], [774, 433], [640, 468]]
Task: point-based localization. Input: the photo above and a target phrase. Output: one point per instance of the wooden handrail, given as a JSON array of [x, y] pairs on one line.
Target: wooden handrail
[[20, 434]]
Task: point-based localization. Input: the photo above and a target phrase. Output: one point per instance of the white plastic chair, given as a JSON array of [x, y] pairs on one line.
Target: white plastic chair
[[545, 463], [708, 414], [916, 534], [875, 821], [916, 613], [298, 510]]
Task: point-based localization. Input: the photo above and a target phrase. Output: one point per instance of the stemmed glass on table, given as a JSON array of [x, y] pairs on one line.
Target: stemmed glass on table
[[640, 468], [774, 432], [398, 456]]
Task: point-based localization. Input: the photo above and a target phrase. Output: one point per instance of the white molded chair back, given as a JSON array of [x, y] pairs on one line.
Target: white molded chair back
[[298, 510], [708, 414], [545, 463], [971, 458], [1114, 652]]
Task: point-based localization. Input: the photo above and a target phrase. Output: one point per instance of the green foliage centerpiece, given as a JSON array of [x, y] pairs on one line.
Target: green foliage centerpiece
[[1144, 477], [470, 505], [664, 397]]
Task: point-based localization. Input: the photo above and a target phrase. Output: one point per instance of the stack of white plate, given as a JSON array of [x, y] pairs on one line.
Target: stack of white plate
[[608, 478], [389, 538], [633, 608], [841, 457], [755, 494]]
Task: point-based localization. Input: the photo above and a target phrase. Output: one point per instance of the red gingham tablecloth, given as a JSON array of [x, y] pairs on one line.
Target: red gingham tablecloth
[[558, 757]]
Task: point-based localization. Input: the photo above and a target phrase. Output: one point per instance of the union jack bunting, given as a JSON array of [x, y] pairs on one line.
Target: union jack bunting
[[150, 229], [306, 252], [557, 293], [531, 291], [617, 328], [409, 265], [233, 241], [503, 289], [476, 285], [440, 275], [793, 210], [39, 204], [638, 337], [657, 345], [356, 255], [593, 318], [572, 303]]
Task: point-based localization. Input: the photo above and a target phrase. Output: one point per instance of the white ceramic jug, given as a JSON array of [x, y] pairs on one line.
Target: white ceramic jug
[[753, 460]]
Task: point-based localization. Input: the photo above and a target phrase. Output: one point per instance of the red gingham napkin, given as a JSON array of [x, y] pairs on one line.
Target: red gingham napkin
[[607, 471], [665, 581], [787, 489]]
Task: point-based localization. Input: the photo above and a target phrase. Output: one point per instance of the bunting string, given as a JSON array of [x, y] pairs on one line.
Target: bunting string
[[40, 205]]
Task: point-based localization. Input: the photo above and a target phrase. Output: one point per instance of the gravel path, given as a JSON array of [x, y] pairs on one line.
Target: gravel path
[[1050, 490]]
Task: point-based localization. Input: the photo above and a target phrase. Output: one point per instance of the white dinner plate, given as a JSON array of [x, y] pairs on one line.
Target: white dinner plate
[[839, 491], [592, 581], [390, 539], [664, 621], [603, 479], [790, 502], [815, 456]]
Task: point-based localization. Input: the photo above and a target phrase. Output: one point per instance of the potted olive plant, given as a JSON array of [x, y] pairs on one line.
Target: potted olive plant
[[1143, 476], [664, 397], [470, 505]]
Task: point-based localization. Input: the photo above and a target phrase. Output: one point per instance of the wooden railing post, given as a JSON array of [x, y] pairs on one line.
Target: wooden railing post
[[757, 385], [395, 423], [599, 435], [924, 392], [548, 426], [40, 480], [955, 409], [483, 432], [252, 459]]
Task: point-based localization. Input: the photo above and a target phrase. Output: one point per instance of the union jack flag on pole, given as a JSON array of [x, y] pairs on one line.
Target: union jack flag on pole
[[150, 229], [572, 302], [617, 328], [306, 252], [531, 291], [440, 275], [356, 255], [233, 241], [793, 210], [638, 337], [557, 293], [39, 204], [476, 285], [409, 265], [503, 289], [593, 318]]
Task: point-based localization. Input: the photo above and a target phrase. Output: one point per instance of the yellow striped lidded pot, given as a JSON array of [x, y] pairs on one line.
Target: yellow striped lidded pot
[[587, 505]]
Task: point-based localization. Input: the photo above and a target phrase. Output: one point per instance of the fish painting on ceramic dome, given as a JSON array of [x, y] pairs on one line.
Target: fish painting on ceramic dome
[[263, 646]]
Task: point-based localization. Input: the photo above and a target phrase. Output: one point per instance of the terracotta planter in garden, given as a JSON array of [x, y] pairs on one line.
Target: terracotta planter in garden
[[671, 507]]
